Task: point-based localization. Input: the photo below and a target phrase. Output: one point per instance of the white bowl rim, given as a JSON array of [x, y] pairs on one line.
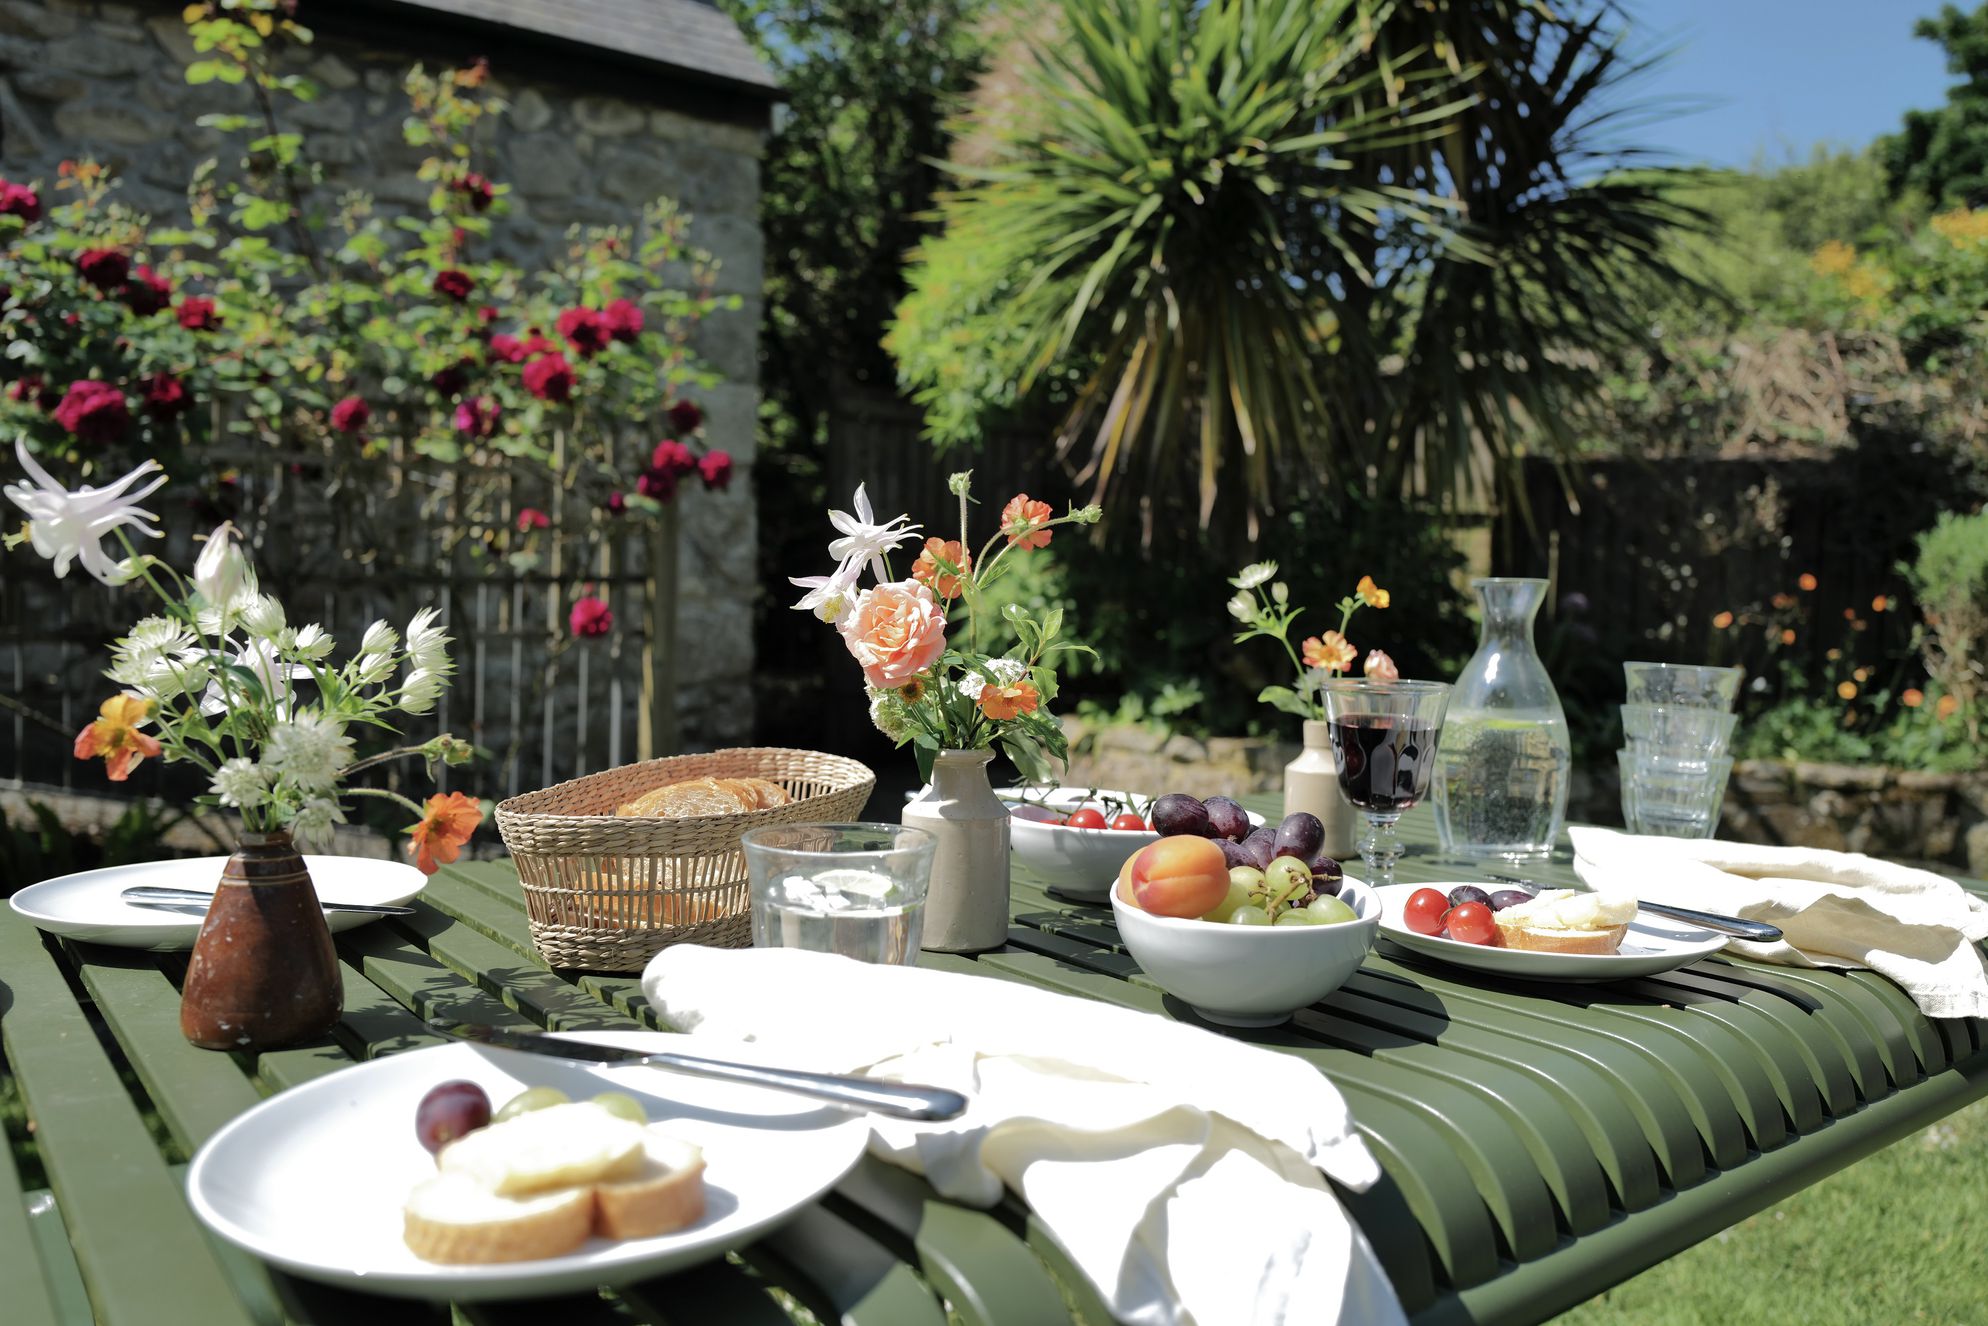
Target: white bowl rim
[[1360, 919]]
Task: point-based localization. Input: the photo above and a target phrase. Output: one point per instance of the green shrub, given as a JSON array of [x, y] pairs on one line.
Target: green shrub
[[1950, 577]]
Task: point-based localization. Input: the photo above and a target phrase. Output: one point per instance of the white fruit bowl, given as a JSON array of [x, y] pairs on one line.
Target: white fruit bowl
[[1250, 975], [1077, 863]]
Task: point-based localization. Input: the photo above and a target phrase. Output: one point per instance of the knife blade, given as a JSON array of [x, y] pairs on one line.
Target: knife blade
[[152, 895], [902, 1100]]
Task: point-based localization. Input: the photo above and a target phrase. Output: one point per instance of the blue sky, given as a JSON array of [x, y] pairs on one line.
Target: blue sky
[[1770, 78]]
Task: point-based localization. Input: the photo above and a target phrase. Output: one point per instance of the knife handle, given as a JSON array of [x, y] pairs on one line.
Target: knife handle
[[896, 1099]]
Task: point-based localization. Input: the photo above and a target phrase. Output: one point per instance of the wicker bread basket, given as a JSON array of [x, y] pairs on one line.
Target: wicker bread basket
[[607, 893]]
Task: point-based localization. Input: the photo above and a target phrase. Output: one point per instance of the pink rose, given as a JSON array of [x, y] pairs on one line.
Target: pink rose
[[673, 458], [19, 200], [716, 467], [623, 319], [584, 329], [94, 411], [1381, 668], [659, 485], [550, 378], [895, 631], [476, 190], [166, 396], [616, 504], [531, 518], [196, 313], [590, 617], [351, 415], [477, 416]]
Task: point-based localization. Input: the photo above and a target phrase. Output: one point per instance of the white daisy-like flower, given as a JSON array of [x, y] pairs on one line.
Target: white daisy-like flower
[[260, 658], [378, 639], [240, 782], [864, 540], [263, 616], [1256, 573], [312, 642], [427, 645], [1000, 672], [1242, 607], [161, 677], [420, 691], [70, 527], [311, 825], [152, 638], [310, 750], [368, 669]]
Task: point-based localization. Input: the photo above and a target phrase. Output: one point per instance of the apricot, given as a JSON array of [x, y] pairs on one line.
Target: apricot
[[1179, 876], [1124, 885]]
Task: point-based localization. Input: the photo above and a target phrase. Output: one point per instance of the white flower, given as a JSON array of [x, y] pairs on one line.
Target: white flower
[[887, 715], [161, 676], [367, 669], [311, 825], [1000, 672], [864, 540], [829, 597], [426, 644], [65, 526], [310, 642], [1257, 573], [268, 668], [1280, 593], [310, 750], [1242, 607], [240, 782], [152, 638], [262, 616], [420, 691], [222, 573], [379, 639]]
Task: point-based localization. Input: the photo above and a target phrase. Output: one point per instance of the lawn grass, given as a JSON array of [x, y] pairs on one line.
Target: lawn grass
[[1901, 1236]]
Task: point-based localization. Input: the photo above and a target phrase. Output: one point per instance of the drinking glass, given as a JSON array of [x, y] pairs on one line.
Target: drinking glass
[[1679, 729], [854, 889], [1670, 798], [1384, 734], [1682, 684]]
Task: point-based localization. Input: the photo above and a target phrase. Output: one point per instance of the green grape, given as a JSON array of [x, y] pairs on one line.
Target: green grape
[[1249, 877], [1296, 916], [531, 1098], [1287, 878], [1328, 910], [622, 1105], [1237, 896], [1249, 914]]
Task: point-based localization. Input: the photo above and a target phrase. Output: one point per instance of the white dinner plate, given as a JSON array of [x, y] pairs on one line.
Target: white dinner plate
[[314, 1179], [1654, 944], [86, 905]]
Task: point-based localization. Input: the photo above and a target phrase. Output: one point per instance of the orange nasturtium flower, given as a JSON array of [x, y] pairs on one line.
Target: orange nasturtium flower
[[1913, 697], [1371, 594], [1948, 706], [1788, 636], [1806, 580], [1334, 652], [1880, 603], [1846, 690], [447, 821], [927, 569], [1004, 702], [1023, 520], [115, 736], [1722, 621]]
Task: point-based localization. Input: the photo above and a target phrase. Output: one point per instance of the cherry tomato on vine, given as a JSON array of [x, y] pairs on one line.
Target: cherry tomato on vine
[[1424, 912], [1471, 923], [1128, 822], [1089, 817]]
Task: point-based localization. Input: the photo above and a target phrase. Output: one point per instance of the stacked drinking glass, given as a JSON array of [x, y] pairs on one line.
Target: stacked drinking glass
[[1679, 727]]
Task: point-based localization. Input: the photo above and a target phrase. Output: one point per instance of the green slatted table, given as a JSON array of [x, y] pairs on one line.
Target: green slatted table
[[1538, 1143]]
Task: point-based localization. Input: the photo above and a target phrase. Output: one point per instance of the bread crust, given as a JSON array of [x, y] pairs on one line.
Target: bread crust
[[513, 1230], [666, 1196], [1517, 934]]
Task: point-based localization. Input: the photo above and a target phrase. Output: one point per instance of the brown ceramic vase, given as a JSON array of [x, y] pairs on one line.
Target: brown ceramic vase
[[263, 973]]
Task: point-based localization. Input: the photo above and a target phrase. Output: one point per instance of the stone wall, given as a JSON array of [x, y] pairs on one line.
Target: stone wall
[[105, 80], [1934, 818], [1135, 758]]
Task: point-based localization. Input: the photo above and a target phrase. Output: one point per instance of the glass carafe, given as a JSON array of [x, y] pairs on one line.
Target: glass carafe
[[1502, 771]]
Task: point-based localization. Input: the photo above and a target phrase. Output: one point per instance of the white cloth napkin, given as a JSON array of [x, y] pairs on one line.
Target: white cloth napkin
[[1835, 909], [1178, 1168]]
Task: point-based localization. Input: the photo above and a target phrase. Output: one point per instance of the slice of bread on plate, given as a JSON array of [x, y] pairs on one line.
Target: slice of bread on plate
[[454, 1219], [665, 1195], [557, 1147], [1566, 921]]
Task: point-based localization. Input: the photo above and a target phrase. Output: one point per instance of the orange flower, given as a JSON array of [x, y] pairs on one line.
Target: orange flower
[[1023, 521], [115, 736], [1948, 706], [1334, 652], [1371, 594], [1784, 601], [1880, 603], [896, 631], [447, 821], [1002, 702], [1381, 668], [1846, 690], [1788, 636], [1858, 624], [1861, 675], [926, 570], [1806, 581], [1913, 697], [1833, 654], [1849, 614], [1722, 621]]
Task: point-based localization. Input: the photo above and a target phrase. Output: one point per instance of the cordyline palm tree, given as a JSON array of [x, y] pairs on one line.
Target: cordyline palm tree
[[1271, 240]]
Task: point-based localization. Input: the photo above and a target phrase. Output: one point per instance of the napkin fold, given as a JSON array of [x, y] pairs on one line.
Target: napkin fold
[[1835, 909], [1179, 1169]]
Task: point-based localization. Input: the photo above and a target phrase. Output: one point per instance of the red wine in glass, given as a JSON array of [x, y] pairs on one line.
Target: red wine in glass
[[1385, 762]]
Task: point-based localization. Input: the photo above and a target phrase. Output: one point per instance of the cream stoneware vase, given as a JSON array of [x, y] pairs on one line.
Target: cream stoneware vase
[[967, 908], [1311, 782]]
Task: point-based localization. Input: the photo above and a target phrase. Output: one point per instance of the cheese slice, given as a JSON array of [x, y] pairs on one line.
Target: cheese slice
[[556, 1147]]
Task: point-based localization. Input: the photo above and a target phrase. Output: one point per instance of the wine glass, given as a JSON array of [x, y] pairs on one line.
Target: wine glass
[[1384, 736]]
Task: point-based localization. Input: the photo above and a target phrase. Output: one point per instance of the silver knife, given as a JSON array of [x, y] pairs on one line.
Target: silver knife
[[901, 1100], [1758, 931], [151, 895]]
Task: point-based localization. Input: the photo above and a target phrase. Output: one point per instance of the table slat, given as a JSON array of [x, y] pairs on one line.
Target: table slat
[[30, 1296]]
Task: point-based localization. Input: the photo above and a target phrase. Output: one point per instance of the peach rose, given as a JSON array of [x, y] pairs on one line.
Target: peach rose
[[896, 631]]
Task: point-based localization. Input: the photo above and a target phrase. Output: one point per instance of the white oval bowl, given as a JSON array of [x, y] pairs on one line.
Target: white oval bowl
[[1250, 975], [1078, 863]]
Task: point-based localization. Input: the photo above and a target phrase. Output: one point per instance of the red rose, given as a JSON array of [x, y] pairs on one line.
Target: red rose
[[477, 416], [197, 314], [659, 485], [531, 518], [32, 389], [147, 292], [590, 617], [19, 200], [624, 319], [685, 417], [486, 315], [673, 458], [476, 191], [450, 381], [550, 378], [94, 411], [454, 283], [511, 350], [716, 467], [584, 329], [166, 397], [106, 269], [616, 504], [351, 415]]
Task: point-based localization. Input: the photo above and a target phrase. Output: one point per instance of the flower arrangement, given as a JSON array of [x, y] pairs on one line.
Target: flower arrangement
[[937, 675], [1262, 606], [231, 687]]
